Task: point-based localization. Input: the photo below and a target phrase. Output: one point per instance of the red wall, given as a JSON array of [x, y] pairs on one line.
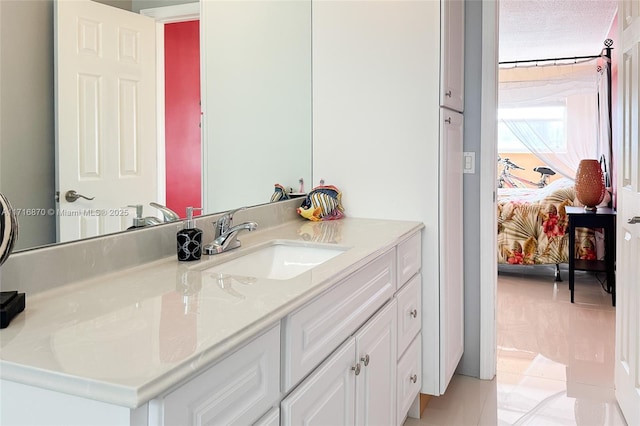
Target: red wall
[[182, 116]]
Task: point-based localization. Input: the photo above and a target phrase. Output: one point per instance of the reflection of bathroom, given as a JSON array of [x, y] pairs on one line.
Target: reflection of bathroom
[[180, 181]]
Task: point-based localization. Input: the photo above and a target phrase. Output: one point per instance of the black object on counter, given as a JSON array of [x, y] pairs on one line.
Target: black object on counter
[[11, 304]]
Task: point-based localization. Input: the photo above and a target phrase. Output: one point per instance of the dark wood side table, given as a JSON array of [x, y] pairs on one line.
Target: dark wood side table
[[602, 218]]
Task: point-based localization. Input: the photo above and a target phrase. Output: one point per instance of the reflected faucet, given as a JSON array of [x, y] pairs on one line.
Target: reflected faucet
[[226, 234], [168, 214], [139, 221]]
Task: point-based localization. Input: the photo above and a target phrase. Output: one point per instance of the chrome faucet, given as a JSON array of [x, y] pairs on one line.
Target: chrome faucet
[[226, 235], [225, 222], [139, 221], [168, 214]]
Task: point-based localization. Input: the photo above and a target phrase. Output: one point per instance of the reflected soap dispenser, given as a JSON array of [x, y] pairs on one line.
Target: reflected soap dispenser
[[138, 221], [189, 239]]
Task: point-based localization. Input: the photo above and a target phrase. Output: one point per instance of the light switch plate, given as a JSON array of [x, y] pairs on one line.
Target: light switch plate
[[469, 165]]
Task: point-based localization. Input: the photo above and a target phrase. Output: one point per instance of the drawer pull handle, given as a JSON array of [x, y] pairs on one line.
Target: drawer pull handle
[[365, 360], [448, 94], [356, 369], [414, 313], [413, 378]]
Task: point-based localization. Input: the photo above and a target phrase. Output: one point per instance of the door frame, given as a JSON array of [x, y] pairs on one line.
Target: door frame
[[487, 208], [165, 15]]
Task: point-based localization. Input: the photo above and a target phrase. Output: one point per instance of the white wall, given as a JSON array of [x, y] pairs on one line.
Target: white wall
[[256, 99], [138, 5], [26, 115], [376, 120]]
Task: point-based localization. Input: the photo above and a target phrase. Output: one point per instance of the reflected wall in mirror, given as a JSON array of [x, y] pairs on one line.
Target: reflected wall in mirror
[[256, 105]]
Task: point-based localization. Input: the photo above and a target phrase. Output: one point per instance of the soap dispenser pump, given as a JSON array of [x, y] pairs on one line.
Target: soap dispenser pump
[[189, 239], [138, 221]]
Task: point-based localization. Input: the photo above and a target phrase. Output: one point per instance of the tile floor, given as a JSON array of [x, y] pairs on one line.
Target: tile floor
[[555, 359]]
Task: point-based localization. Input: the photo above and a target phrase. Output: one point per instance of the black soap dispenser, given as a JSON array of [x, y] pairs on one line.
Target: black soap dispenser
[[189, 239]]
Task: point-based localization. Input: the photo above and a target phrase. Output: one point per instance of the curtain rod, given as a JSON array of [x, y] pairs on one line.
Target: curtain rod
[[608, 43]]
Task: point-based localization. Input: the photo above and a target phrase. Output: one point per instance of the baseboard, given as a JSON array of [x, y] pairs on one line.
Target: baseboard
[[424, 400]]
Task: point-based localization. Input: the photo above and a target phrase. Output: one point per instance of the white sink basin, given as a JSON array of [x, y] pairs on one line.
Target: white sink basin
[[278, 261]]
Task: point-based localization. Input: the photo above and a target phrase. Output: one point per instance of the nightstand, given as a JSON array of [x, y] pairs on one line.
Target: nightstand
[[604, 218]]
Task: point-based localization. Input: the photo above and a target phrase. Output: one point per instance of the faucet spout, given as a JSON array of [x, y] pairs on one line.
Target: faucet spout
[[228, 240], [168, 214]]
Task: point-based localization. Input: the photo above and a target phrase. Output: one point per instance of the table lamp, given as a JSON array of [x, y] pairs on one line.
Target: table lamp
[[590, 189]]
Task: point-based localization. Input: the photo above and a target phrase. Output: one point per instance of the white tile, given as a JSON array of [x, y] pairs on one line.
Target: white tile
[[555, 358]]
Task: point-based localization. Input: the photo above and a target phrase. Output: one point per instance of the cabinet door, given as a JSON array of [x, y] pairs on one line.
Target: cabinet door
[[272, 418], [451, 246], [237, 390], [452, 54], [376, 384], [312, 332], [328, 395]]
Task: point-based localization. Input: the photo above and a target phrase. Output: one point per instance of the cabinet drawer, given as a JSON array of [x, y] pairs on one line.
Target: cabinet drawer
[[237, 390], [409, 312], [409, 258], [316, 329], [409, 377]]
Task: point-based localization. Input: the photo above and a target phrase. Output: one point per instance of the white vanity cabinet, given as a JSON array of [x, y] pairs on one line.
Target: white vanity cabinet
[[316, 329], [238, 390], [335, 359], [355, 385]]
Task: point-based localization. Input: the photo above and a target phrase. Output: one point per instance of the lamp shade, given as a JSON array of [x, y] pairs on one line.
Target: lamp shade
[[590, 189]]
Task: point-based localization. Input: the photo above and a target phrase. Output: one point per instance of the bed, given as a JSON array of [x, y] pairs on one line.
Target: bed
[[532, 226]]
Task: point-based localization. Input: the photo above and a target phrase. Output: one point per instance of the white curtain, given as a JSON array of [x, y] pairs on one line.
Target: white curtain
[[573, 86]]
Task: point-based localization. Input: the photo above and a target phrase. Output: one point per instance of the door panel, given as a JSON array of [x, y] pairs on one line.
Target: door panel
[[627, 369], [105, 60]]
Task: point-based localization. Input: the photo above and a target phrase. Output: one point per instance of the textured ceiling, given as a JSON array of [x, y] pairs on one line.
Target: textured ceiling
[[540, 29]]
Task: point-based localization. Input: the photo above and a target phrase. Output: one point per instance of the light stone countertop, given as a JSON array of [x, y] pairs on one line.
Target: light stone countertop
[[127, 337]]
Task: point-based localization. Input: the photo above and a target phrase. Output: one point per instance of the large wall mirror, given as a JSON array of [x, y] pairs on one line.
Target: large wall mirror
[[256, 104]]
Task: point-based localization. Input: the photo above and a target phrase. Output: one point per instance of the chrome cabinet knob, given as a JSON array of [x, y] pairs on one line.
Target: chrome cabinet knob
[[414, 313], [356, 369], [365, 360], [413, 378]]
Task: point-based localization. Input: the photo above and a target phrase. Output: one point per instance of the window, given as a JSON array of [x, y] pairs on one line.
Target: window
[[542, 125]]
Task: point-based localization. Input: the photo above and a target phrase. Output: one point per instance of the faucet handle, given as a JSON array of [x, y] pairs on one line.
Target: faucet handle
[[225, 221]]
